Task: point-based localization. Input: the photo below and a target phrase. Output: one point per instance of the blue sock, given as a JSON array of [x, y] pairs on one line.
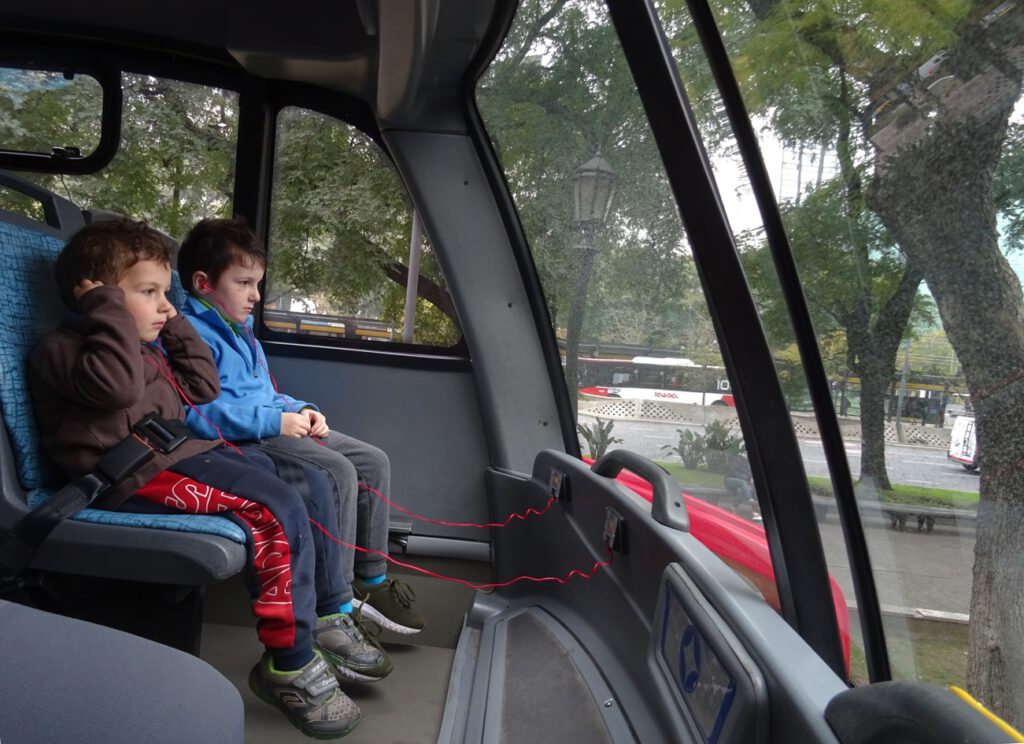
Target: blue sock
[[375, 580], [345, 609]]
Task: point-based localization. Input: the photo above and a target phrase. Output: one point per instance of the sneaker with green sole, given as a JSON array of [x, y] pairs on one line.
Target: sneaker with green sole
[[389, 604], [309, 697], [351, 653]]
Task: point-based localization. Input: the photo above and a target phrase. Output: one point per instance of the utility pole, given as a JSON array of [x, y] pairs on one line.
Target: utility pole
[[904, 373]]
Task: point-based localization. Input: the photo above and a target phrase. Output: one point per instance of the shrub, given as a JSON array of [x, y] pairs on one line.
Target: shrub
[[718, 436], [690, 448], [719, 443], [599, 437]]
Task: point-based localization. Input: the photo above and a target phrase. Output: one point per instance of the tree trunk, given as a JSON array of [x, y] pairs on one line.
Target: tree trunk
[[875, 343], [872, 429], [936, 198]]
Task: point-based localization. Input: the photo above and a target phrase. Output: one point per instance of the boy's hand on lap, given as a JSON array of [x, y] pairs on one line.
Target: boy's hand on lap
[[84, 286], [294, 425], [317, 423]]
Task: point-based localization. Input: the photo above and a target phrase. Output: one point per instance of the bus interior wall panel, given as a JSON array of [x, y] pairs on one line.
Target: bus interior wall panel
[[425, 50], [445, 180], [605, 617], [428, 422], [613, 613], [527, 267], [12, 500]]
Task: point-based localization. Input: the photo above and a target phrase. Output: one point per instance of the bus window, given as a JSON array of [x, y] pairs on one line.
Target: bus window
[[30, 101], [342, 243], [176, 163], [641, 359], [896, 164]]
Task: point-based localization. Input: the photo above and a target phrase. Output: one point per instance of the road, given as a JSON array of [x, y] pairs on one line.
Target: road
[[909, 465], [912, 569]]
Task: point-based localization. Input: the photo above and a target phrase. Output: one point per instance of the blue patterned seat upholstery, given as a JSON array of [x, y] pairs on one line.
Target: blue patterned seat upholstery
[[29, 308]]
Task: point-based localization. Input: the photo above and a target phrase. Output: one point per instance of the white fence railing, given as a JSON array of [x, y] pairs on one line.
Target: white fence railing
[[804, 424]]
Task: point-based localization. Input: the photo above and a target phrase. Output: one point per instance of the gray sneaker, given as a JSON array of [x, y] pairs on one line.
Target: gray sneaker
[[350, 652], [310, 697], [389, 604]]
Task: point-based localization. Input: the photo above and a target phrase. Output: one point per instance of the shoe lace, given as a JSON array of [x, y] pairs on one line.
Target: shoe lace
[[363, 628], [403, 593]]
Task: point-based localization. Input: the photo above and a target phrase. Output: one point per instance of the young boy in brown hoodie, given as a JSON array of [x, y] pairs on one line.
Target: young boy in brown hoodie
[[127, 353]]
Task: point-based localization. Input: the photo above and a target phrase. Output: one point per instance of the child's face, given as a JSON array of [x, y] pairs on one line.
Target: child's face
[[236, 291], [145, 289]]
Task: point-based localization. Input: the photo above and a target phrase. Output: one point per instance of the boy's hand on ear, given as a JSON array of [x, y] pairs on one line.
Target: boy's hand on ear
[[294, 425], [317, 423], [84, 286]]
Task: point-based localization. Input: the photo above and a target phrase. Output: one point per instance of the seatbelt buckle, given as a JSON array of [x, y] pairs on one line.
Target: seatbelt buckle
[[161, 434], [151, 434]]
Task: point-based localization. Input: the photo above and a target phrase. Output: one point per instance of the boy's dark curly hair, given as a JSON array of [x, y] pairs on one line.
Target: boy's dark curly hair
[[104, 251]]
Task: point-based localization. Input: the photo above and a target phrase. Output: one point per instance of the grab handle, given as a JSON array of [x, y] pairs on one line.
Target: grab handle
[[667, 506]]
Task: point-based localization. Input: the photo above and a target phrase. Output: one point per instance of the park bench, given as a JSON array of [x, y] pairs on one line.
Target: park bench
[[899, 514]]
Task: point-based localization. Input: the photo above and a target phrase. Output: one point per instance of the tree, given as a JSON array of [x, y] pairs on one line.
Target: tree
[[928, 90], [857, 282], [341, 222], [558, 92], [176, 162]]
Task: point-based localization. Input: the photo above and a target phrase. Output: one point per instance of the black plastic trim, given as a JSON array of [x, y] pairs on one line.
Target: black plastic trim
[[109, 79], [61, 215], [410, 358], [254, 152], [869, 608], [794, 542]]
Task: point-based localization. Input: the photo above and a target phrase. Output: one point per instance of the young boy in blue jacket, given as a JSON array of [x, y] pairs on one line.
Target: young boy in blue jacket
[[221, 263]]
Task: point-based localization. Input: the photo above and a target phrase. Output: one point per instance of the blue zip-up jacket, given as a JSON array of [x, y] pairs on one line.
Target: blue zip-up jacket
[[248, 406]]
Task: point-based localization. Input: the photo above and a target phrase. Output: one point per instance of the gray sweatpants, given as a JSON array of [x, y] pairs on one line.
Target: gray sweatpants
[[362, 515]]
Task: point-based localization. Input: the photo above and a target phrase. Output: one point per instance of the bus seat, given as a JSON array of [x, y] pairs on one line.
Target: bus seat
[[202, 549], [67, 680]]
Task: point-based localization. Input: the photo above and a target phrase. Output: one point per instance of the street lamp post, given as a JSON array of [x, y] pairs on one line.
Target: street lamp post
[[593, 188]]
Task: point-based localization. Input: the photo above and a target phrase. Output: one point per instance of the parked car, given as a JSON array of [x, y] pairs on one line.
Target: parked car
[[963, 445]]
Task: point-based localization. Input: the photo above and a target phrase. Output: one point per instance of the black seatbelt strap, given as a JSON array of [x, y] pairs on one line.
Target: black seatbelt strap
[[150, 435]]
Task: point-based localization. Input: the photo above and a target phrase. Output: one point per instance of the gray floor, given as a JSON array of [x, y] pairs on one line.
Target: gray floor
[[404, 708]]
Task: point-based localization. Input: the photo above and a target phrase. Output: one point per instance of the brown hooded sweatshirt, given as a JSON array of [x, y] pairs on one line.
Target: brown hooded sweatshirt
[[93, 378]]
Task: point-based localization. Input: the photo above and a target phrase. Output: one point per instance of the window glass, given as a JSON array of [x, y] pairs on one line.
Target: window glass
[[892, 134], [41, 110], [175, 164], [341, 242], [640, 354]]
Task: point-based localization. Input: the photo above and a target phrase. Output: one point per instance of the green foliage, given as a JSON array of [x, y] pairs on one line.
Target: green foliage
[[175, 165], [599, 437], [718, 437], [560, 91], [341, 228], [690, 448], [710, 449]]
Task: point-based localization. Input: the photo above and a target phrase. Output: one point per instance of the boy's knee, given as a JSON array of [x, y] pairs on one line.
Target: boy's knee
[[343, 470], [377, 458]]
